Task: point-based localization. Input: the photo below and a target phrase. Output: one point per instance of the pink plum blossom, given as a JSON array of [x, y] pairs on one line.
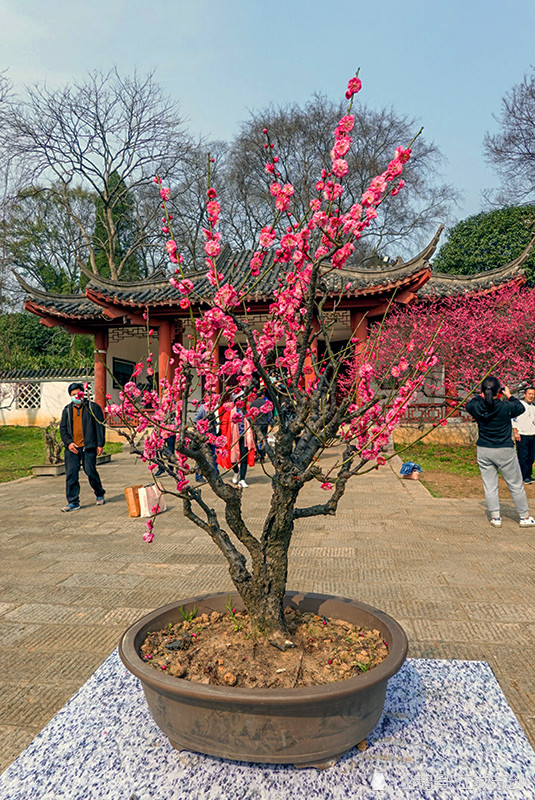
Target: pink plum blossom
[[267, 237], [340, 167], [354, 85]]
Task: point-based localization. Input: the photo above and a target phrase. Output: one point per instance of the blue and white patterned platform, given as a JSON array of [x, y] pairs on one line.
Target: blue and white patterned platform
[[447, 732]]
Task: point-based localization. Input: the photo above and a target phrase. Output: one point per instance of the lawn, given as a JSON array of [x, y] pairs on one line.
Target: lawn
[[449, 470], [459, 459], [21, 448]]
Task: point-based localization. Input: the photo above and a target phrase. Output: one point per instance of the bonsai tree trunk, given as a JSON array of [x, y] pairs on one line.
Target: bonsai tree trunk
[[261, 586], [52, 446], [263, 595]]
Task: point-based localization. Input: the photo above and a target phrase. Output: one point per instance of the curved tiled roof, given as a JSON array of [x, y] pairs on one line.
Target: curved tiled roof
[[47, 374], [70, 306], [105, 298], [444, 284], [157, 291]]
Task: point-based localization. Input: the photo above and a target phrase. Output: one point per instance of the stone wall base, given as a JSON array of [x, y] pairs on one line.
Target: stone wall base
[[452, 433], [59, 469]]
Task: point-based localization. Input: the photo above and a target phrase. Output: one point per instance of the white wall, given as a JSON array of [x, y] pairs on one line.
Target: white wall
[[54, 396]]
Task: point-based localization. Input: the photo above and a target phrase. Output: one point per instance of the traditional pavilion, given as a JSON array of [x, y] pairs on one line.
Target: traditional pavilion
[[116, 313]]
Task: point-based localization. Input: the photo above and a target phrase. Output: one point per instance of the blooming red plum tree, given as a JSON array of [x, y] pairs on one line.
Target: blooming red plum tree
[[472, 334]]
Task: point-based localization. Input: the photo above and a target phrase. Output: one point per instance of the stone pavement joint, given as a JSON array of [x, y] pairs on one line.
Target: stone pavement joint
[[70, 583]]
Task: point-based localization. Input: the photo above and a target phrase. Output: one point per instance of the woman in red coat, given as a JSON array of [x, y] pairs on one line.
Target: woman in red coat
[[239, 450]]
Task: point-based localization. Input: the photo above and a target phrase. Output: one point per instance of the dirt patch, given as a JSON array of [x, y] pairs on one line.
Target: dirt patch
[[445, 484], [221, 649]]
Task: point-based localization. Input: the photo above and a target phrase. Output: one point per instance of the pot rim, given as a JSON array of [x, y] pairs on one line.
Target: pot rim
[[397, 646]]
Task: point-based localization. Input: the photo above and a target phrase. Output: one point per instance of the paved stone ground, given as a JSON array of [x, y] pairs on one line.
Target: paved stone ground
[[71, 583]]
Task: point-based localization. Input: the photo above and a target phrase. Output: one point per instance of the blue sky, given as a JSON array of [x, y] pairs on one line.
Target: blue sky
[[446, 62]]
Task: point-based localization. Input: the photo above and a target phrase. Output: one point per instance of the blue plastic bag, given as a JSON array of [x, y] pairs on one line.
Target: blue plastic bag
[[409, 467]]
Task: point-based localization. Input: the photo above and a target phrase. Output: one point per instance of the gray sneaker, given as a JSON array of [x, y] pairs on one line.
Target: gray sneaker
[[71, 507], [100, 501]]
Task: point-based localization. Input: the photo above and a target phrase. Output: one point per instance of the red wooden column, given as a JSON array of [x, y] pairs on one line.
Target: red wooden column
[[359, 329], [215, 360], [101, 351], [165, 353], [359, 334], [177, 332], [311, 360]]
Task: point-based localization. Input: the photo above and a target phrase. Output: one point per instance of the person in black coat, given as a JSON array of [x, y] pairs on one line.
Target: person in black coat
[[495, 448], [262, 422], [83, 435]]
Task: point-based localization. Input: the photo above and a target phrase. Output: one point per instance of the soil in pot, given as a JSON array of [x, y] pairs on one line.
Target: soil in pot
[[305, 725], [221, 649]]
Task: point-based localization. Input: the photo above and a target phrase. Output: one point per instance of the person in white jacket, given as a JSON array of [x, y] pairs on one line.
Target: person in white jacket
[[524, 435]]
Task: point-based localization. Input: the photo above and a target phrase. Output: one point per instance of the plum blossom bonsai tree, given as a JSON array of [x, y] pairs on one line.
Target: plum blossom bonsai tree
[[318, 416], [53, 447]]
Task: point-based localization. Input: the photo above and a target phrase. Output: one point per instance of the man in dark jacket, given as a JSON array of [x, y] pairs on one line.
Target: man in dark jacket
[[83, 435], [262, 422], [524, 434]]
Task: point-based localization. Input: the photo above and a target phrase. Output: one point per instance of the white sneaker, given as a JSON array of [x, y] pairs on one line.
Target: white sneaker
[[497, 522], [235, 479], [527, 522], [244, 485]]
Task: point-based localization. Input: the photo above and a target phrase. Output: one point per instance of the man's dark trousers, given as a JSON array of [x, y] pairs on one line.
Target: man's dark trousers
[[525, 450], [242, 464], [261, 440], [88, 460]]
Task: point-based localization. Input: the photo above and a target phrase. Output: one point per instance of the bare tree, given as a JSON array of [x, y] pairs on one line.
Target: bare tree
[[6, 170], [512, 151], [107, 136], [43, 243], [301, 137], [188, 199]]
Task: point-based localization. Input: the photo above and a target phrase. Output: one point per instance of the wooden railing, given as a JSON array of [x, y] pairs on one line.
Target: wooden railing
[[418, 413], [128, 420]]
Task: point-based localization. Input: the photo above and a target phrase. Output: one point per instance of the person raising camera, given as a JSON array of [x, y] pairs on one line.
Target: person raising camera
[[495, 448]]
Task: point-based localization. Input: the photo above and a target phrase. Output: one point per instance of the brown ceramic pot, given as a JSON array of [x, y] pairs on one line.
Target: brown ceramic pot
[[305, 726]]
